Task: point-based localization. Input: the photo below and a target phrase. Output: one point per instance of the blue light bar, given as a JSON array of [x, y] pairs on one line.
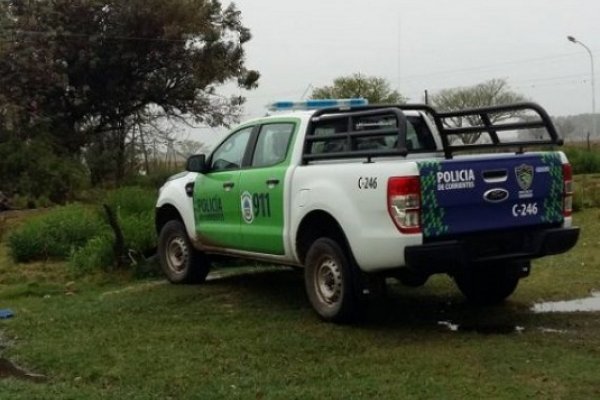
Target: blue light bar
[[316, 104]]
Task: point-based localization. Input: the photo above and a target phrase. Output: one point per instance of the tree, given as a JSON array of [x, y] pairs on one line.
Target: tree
[[566, 127], [376, 90], [86, 71], [490, 93]]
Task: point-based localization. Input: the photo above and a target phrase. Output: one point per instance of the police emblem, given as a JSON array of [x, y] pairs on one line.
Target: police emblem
[[524, 175], [247, 208]]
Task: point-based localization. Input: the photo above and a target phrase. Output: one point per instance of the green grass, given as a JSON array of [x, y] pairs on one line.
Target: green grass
[[254, 336], [587, 191]]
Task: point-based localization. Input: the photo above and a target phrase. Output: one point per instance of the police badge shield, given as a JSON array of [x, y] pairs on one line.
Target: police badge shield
[[524, 175]]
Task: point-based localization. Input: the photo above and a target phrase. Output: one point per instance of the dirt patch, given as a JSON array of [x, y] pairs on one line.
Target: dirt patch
[[9, 370]]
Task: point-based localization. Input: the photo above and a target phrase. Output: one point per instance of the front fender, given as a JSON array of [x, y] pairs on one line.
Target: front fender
[[173, 193]]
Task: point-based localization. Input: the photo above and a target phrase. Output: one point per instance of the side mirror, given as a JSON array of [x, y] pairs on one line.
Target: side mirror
[[196, 163]]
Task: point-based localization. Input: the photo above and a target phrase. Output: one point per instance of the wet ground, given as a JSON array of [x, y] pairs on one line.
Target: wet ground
[[588, 304], [484, 329]]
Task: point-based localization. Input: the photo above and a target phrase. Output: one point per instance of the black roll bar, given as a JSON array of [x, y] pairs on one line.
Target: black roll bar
[[484, 115]]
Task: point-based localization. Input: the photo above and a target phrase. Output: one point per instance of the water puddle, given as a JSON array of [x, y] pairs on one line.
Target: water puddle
[[588, 304], [483, 329], [9, 370]]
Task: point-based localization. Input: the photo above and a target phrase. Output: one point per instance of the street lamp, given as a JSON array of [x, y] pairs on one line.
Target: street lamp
[[573, 40]]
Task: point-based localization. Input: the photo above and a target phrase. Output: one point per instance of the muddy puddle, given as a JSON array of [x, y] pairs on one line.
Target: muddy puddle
[[9, 370], [588, 304]]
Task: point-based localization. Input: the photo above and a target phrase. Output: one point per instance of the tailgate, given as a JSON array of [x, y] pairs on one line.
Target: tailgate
[[490, 193]]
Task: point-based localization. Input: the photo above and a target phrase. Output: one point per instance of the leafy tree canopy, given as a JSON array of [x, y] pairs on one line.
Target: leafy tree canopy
[[80, 68], [376, 90], [489, 93]]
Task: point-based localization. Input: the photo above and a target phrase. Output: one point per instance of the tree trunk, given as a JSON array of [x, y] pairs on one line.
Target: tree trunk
[[119, 245]]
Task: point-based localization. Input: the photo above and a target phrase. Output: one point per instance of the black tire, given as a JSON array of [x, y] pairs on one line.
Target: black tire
[[489, 284], [330, 281], [179, 260]]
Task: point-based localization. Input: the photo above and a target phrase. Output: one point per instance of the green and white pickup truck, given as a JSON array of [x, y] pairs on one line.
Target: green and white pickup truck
[[355, 193]]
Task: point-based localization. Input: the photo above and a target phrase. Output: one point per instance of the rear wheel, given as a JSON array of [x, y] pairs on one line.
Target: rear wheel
[[489, 284], [329, 278], [180, 261]]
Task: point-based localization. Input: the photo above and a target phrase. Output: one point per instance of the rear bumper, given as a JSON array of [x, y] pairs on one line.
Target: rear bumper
[[454, 255]]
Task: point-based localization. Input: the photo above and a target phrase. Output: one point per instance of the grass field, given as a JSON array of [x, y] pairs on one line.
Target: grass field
[[254, 336]]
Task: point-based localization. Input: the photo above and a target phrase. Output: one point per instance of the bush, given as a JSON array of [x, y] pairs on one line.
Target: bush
[[55, 234], [96, 254], [583, 161], [83, 236], [131, 200], [134, 207], [139, 232], [35, 169]]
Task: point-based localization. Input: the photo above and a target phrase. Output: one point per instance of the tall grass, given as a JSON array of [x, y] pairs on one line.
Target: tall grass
[[56, 234], [81, 234], [583, 161]]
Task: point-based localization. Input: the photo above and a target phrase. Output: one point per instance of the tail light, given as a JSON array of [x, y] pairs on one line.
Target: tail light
[[404, 203], [567, 190]]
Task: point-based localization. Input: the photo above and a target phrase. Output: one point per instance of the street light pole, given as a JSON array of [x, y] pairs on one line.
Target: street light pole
[[573, 40]]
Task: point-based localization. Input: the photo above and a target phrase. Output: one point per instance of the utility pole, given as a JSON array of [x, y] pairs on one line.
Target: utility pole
[[593, 117]]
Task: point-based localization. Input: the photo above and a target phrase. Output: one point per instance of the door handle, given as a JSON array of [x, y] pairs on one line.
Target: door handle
[[272, 182], [228, 185]]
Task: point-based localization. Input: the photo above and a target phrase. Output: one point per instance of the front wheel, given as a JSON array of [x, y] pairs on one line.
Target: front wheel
[[329, 280], [180, 261], [489, 284]]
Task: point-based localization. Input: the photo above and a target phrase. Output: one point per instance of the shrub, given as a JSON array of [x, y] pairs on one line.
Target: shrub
[[134, 207], [583, 161], [139, 232], [36, 169], [82, 234], [131, 200], [96, 254], [55, 234]]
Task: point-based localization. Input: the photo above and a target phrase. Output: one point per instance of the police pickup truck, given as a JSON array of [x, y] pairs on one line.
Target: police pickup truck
[[354, 193]]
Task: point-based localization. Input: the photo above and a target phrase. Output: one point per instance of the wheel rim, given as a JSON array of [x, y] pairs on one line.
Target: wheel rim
[[328, 281], [177, 254]]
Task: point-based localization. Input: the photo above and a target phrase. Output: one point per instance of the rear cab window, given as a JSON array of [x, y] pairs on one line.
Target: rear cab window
[[419, 138]]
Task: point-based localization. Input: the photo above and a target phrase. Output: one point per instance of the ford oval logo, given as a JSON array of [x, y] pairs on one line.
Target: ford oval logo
[[495, 195]]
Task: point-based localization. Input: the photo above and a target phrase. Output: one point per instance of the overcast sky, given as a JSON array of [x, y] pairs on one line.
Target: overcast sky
[[424, 44]]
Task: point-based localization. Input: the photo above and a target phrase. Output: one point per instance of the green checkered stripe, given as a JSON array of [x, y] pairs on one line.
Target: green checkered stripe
[[432, 216], [553, 204]]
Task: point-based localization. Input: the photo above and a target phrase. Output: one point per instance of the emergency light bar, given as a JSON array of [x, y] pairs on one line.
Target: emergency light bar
[[316, 104]]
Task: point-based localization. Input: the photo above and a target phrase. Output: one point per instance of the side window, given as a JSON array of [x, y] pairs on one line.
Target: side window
[[230, 153], [272, 144], [375, 142], [418, 136], [330, 128]]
